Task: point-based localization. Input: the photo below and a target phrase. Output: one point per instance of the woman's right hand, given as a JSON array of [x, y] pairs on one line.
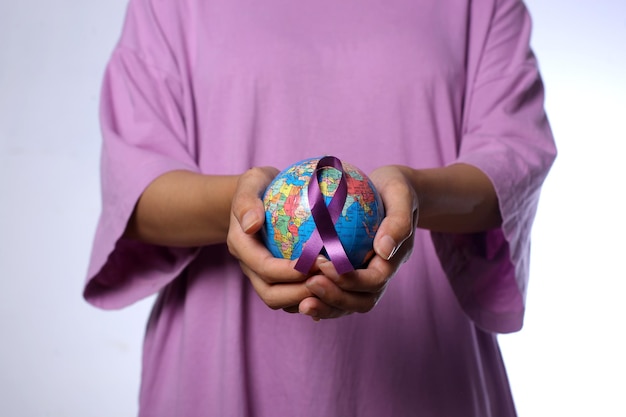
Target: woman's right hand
[[275, 280]]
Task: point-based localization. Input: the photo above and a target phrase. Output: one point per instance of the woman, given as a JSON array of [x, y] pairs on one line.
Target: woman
[[203, 101]]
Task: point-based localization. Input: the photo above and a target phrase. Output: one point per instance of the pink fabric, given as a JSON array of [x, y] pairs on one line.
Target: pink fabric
[[219, 86]]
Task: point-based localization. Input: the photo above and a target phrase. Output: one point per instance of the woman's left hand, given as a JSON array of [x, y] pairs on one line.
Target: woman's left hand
[[359, 291]]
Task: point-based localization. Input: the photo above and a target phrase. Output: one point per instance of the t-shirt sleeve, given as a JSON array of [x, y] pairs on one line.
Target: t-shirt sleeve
[[506, 134], [145, 134]]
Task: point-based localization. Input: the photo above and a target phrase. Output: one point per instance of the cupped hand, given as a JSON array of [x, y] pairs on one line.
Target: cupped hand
[[275, 280], [359, 291]]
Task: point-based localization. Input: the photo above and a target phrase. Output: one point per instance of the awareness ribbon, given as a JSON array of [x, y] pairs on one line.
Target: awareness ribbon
[[325, 236]]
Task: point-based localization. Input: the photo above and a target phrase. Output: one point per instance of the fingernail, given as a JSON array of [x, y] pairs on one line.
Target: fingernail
[[248, 221], [311, 312], [388, 247], [322, 259]]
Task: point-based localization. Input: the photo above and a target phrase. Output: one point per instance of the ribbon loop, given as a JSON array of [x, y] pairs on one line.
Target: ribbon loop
[[325, 217]]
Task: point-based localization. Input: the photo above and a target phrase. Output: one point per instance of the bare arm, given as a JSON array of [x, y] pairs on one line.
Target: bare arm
[[459, 198], [183, 208]]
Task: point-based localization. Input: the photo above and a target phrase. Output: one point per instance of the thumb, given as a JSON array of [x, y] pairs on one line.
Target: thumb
[[247, 206], [399, 222], [252, 220]]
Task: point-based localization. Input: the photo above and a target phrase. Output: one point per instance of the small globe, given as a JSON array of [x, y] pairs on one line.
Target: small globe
[[288, 220]]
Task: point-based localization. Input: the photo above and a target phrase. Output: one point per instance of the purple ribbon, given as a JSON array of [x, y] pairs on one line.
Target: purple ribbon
[[325, 236]]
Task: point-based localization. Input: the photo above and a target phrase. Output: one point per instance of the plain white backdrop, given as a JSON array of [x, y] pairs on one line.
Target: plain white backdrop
[[60, 357]]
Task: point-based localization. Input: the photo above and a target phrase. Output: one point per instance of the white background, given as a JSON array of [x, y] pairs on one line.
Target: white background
[[61, 357]]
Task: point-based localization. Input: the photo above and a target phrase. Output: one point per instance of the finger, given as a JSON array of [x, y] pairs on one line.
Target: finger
[[268, 268], [318, 310], [372, 279], [401, 210], [329, 293], [252, 253], [277, 296], [247, 206], [369, 280]]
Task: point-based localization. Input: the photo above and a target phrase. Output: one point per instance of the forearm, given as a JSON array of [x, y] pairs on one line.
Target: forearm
[[182, 208], [458, 198]]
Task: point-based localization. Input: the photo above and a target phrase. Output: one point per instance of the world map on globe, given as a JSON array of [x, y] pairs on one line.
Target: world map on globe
[[289, 222]]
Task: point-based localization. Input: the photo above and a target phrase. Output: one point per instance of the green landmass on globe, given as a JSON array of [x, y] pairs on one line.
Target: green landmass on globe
[[289, 222]]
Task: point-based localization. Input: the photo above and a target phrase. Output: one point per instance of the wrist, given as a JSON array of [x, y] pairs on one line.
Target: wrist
[[458, 198]]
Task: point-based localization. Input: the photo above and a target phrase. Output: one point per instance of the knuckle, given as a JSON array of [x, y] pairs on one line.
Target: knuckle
[[274, 306], [231, 247], [271, 301], [264, 273], [378, 285], [253, 174], [337, 300], [366, 307], [399, 186], [403, 224]]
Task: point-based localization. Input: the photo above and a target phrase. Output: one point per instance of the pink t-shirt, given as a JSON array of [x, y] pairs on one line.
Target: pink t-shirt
[[219, 86]]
